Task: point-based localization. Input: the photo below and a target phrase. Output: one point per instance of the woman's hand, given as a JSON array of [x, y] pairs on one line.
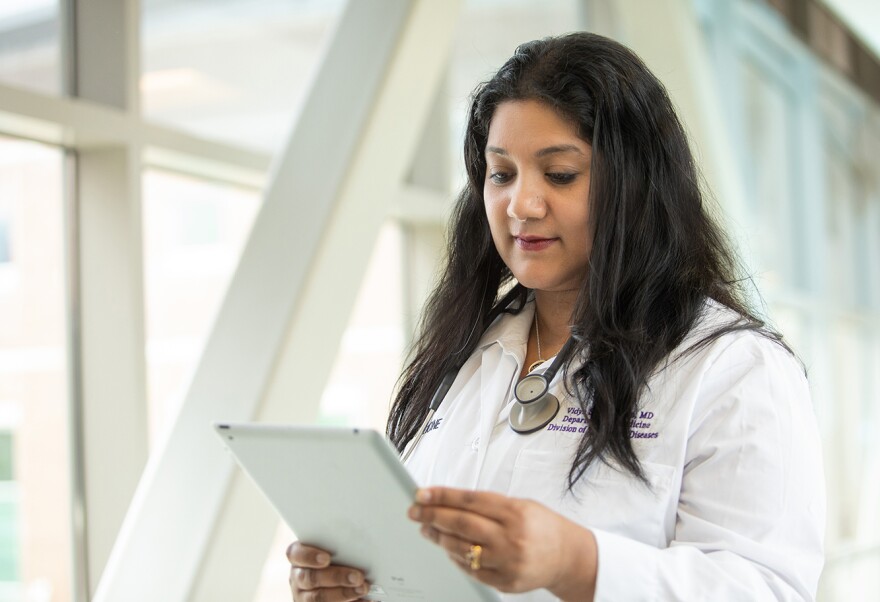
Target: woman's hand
[[523, 544], [314, 579]]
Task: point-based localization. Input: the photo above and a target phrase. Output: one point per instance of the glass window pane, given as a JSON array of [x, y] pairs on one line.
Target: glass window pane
[[193, 236], [837, 226], [368, 362], [860, 246], [35, 506], [6, 472], [9, 537], [5, 243], [9, 502], [235, 70], [770, 150], [30, 44]]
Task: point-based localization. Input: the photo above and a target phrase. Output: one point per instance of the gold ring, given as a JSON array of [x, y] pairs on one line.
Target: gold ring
[[473, 557]]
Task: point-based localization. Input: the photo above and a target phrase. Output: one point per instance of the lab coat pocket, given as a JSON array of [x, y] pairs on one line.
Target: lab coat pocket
[[604, 498]]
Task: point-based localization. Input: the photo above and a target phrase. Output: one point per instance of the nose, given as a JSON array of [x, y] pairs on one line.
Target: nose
[[527, 200]]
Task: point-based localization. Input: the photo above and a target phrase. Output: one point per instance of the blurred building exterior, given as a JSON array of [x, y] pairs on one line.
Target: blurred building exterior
[[130, 189]]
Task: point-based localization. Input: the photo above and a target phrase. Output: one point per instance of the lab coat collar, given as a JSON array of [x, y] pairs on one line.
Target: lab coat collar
[[511, 331]]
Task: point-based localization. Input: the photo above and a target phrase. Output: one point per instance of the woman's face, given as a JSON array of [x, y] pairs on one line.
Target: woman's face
[[537, 195]]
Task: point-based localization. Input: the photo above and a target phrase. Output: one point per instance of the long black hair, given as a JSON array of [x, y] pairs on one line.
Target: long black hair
[[656, 256]]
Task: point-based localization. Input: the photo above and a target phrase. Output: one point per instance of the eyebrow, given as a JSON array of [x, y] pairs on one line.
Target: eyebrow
[[550, 150]]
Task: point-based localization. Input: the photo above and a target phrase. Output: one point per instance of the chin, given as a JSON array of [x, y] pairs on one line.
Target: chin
[[539, 280], [536, 282]]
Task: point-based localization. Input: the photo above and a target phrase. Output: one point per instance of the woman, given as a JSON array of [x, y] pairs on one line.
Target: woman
[[683, 462]]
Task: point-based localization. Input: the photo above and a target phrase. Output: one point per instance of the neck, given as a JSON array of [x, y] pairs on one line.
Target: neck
[[554, 310]]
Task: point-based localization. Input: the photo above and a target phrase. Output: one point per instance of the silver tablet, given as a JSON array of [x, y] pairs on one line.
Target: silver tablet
[[344, 490]]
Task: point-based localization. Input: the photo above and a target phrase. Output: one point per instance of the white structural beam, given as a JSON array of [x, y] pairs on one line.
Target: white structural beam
[[113, 408], [110, 445], [107, 70], [420, 205], [666, 35], [190, 532], [83, 124]]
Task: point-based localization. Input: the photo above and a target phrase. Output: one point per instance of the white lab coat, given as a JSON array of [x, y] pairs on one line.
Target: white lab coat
[[726, 436]]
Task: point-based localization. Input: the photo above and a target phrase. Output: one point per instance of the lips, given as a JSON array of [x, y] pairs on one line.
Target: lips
[[533, 243]]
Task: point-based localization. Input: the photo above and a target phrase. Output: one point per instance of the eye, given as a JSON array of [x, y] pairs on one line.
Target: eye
[[561, 177], [500, 177]]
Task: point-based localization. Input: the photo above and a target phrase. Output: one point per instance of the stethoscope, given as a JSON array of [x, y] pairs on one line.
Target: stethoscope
[[535, 406]]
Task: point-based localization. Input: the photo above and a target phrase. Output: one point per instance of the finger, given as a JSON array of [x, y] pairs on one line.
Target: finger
[[486, 503], [492, 577], [300, 554], [333, 576], [490, 572], [458, 549], [463, 524], [335, 594]]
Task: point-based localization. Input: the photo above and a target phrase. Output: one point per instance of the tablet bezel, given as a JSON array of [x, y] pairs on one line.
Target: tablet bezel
[[352, 502]]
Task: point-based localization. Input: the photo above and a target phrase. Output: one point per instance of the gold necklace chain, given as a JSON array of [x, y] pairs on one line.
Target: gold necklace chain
[[538, 339]]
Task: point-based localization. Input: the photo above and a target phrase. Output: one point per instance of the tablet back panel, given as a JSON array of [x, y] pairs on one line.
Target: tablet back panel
[[344, 490]]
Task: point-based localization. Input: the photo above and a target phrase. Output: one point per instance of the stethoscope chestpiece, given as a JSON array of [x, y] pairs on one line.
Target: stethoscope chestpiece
[[531, 388], [535, 407]]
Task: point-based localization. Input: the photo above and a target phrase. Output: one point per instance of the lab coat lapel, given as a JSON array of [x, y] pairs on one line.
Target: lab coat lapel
[[493, 395], [499, 369]]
